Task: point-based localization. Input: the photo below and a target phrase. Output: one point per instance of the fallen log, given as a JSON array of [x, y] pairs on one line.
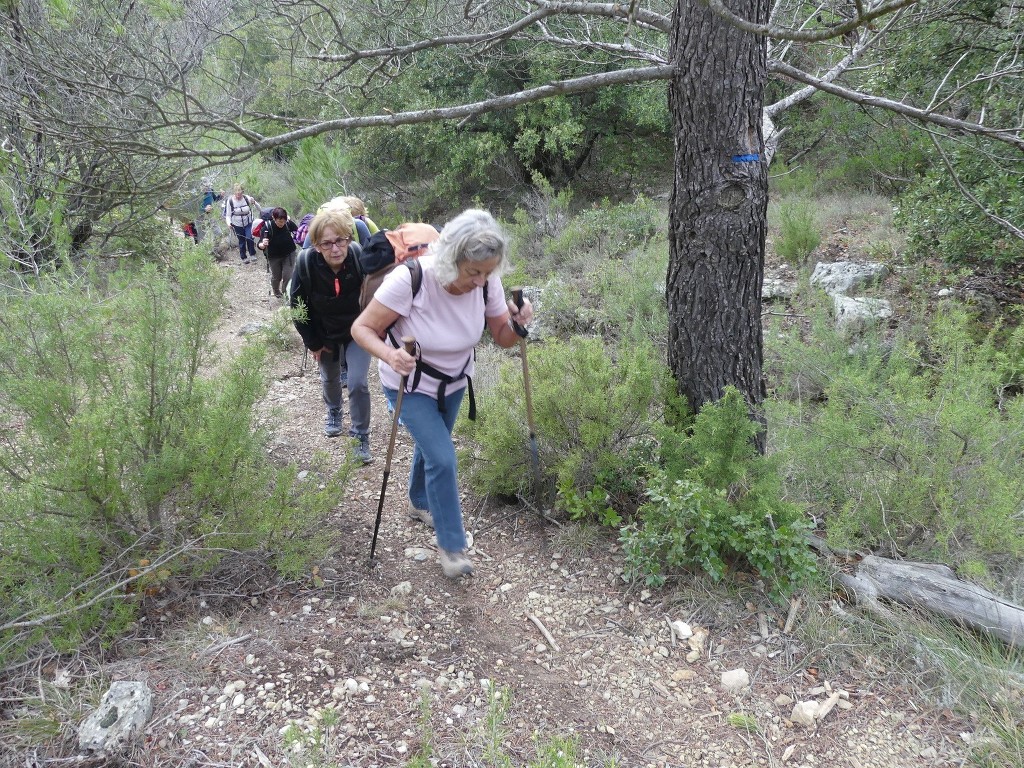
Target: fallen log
[[935, 588]]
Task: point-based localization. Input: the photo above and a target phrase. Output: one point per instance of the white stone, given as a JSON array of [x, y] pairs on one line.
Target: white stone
[[804, 712], [844, 276], [120, 718], [854, 314], [682, 630], [735, 680], [402, 589]]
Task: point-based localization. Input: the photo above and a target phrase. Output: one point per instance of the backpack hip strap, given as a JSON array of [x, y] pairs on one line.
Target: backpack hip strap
[[444, 380]]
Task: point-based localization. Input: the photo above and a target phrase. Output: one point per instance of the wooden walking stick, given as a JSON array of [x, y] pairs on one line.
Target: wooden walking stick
[[517, 297], [410, 346]]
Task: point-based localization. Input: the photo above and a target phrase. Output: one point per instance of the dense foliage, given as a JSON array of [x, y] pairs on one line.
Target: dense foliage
[[910, 446], [128, 461]]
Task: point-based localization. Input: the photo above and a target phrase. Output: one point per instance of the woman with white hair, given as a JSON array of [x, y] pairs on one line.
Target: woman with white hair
[[446, 316]]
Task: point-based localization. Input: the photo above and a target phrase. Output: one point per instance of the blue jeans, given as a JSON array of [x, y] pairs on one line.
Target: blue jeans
[[433, 477], [357, 360], [244, 235]]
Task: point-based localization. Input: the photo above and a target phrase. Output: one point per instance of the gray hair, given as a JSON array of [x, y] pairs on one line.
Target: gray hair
[[473, 235]]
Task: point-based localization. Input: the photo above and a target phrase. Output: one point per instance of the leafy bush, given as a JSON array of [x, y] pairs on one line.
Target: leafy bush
[[592, 407], [609, 268], [716, 500], [913, 445], [799, 230], [941, 221], [128, 460]]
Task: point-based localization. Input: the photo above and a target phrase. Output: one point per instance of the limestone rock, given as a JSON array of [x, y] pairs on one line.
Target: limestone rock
[[123, 712], [735, 680], [804, 712]]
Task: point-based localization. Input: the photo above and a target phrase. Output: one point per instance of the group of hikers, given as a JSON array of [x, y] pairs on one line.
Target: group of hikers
[[444, 303]]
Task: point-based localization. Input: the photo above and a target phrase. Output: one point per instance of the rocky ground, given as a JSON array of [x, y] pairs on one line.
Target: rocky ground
[[546, 640]]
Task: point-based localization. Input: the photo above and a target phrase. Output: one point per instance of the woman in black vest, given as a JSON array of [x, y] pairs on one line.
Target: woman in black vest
[[326, 284]]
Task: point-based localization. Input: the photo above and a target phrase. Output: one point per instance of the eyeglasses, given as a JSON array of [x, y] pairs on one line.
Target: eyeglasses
[[329, 245]]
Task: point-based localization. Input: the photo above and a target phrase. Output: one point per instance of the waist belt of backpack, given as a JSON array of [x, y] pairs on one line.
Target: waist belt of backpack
[[444, 379], [422, 366]]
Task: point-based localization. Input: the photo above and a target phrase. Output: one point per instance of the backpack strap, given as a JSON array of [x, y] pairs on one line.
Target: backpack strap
[[416, 280], [424, 367], [302, 266]]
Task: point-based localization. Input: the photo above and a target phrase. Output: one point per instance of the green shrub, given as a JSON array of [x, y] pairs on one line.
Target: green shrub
[[799, 230], [127, 456], [319, 170], [606, 232], [716, 500], [592, 407], [940, 220], [914, 445]]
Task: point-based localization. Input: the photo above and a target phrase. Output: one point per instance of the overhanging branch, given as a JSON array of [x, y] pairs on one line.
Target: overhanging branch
[[560, 88], [863, 17], [1011, 136]]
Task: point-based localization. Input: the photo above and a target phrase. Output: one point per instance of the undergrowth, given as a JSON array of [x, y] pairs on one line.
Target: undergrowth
[[131, 462], [910, 445]]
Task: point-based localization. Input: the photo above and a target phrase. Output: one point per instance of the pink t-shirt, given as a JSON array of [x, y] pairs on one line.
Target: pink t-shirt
[[445, 327]]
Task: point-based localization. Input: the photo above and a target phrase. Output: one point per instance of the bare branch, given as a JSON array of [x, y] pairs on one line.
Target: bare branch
[[259, 143], [863, 17], [1009, 136]]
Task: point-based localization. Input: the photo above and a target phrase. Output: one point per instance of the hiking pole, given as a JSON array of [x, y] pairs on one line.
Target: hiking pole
[[517, 297], [410, 346]]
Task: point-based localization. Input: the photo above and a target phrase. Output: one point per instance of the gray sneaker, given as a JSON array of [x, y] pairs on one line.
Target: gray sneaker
[[361, 450], [422, 515], [332, 424], [455, 564]]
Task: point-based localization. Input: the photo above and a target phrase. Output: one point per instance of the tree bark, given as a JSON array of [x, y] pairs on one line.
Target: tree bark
[[719, 204]]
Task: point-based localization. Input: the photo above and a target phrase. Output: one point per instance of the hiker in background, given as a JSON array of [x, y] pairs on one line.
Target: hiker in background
[[300, 234], [278, 246], [188, 226], [339, 203], [210, 223], [210, 197], [239, 212], [326, 282], [446, 317], [358, 208]]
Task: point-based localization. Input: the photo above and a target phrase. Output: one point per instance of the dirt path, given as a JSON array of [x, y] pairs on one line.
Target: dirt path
[[369, 642]]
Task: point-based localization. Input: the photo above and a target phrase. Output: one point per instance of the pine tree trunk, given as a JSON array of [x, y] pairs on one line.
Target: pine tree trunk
[[719, 205]]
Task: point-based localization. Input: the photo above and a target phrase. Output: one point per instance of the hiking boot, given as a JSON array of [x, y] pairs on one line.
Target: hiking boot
[[332, 424], [455, 564], [421, 515], [361, 450]]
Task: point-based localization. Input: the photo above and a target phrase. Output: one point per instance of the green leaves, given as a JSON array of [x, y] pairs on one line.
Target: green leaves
[[714, 501], [122, 442], [914, 444]]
